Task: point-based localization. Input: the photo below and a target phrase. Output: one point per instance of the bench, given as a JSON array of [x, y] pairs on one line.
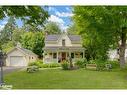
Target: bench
[[31, 69], [91, 66]]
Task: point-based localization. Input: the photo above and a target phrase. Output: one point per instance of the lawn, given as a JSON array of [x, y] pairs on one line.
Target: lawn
[[75, 79]]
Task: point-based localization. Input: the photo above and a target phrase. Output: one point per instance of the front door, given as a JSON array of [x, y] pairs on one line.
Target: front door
[[63, 56]]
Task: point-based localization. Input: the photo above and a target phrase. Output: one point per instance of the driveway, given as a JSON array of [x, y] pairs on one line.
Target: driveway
[[10, 69]]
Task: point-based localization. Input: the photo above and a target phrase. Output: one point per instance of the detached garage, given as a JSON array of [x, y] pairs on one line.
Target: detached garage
[[20, 57]]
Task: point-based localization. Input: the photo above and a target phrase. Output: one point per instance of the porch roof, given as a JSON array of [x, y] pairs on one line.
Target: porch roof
[[63, 48]]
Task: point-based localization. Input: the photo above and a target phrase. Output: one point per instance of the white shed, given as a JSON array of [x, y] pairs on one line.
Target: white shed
[[20, 57]]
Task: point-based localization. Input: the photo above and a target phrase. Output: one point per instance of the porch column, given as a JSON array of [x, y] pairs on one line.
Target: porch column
[[57, 56], [83, 54], [44, 57]]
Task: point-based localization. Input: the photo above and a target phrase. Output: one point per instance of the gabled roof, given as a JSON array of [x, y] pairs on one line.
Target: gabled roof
[[52, 37], [76, 38], [27, 51], [23, 50]]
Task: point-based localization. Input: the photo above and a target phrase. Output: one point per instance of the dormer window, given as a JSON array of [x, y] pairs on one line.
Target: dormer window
[[63, 42]]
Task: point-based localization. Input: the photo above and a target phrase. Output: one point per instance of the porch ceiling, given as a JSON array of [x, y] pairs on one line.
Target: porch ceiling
[[64, 48]]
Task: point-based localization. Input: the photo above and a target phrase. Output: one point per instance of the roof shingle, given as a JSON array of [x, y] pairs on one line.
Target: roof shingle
[[56, 37]]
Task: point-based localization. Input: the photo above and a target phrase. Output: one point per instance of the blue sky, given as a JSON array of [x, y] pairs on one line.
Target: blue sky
[[60, 14]]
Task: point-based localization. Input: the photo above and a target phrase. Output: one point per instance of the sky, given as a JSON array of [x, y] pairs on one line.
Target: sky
[[60, 14]]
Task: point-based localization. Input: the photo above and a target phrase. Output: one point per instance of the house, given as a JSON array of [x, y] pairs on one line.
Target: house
[[61, 47], [113, 54], [20, 57]]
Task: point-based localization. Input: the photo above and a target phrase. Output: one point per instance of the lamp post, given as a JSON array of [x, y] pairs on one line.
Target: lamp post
[[2, 60]]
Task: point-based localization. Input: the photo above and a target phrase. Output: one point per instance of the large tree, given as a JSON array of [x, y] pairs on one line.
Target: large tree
[[33, 41], [32, 15], [72, 29], [108, 22], [7, 31], [52, 28]]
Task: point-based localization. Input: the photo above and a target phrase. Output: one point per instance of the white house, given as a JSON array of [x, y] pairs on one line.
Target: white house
[[113, 54], [20, 57], [59, 47]]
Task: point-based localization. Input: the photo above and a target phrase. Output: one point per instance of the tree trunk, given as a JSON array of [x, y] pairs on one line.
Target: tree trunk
[[122, 48]]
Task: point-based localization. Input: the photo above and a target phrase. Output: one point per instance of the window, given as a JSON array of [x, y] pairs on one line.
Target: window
[[72, 55], [81, 54], [63, 42], [54, 55]]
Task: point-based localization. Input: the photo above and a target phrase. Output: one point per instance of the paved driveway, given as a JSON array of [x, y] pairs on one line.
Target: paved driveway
[[10, 69]]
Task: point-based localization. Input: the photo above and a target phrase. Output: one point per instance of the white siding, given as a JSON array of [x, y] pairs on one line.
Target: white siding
[[19, 58]]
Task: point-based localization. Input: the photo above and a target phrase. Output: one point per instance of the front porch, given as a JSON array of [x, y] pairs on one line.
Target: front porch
[[57, 55]]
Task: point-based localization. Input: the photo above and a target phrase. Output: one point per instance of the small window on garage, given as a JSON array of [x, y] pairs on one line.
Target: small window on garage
[[54, 55]]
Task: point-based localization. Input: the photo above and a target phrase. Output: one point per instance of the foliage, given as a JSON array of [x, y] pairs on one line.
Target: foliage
[[72, 30], [102, 27], [17, 33], [105, 64], [81, 63], [7, 31], [50, 65], [32, 15], [32, 69], [115, 64], [92, 62], [33, 41], [65, 65], [52, 28], [8, 46], [38, 63]]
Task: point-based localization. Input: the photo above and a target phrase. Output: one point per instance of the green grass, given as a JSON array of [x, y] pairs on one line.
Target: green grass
[[75, 79]]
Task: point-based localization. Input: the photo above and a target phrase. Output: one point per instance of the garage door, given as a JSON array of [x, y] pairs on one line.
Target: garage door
[[17, 61]]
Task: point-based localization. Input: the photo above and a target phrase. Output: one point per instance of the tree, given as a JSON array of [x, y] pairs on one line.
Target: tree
[[52, 28], [32, 15], [109, 23], [72, 29], [6, 33], [33, 41]]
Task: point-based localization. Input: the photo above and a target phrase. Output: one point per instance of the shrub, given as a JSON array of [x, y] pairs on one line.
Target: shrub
[[92, 62], [50, 65], [38, 63], [32, 69], [100, 64], [65, 65], [81, 63], [115, 64]]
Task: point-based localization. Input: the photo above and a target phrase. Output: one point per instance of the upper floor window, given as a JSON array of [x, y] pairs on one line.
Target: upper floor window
[[54, 55], [63, 42]]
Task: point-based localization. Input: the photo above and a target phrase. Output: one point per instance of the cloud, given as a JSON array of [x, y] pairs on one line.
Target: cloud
[[2, 24], [63, 27], [59, 21], [54, 18], [64, 14], [68, 9], [1, 27], [51, 9]]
